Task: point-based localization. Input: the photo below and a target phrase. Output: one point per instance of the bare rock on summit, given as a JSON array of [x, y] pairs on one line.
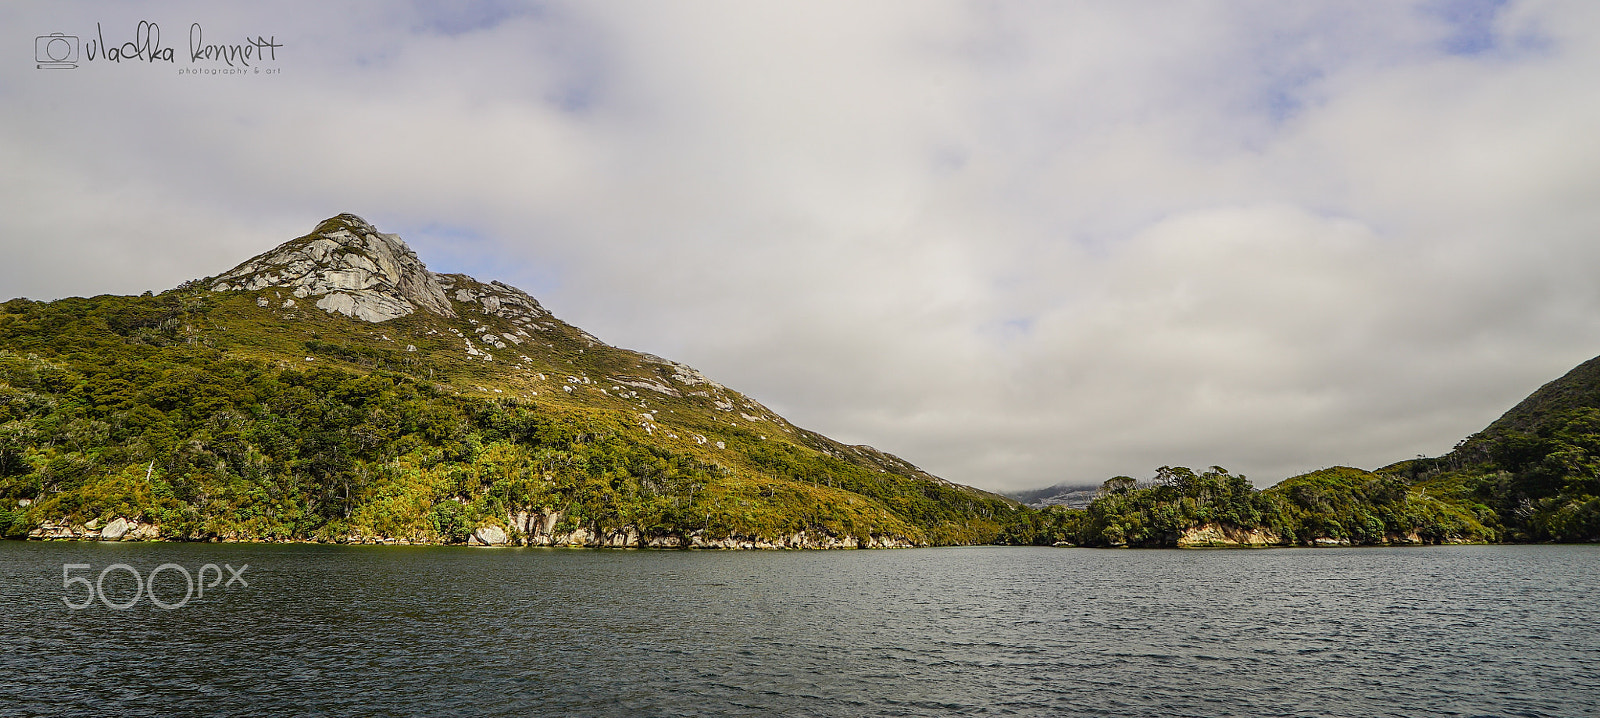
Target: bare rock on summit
[[497, 299], [350, 268]]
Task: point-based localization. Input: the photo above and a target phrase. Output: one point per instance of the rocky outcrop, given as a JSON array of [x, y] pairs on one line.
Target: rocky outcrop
[[528, 524], [119, 529], [349, 268], [50, 531], [1219, 536], [488, 536], [801, 540], [539, 529], [525, 529], [496, 299], [1406, 539], [1410, 538], [115, 530]]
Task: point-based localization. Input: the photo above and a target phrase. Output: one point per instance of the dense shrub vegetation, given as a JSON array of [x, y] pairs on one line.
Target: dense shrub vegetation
[[1342, 504], [198, 413], [116, 406]]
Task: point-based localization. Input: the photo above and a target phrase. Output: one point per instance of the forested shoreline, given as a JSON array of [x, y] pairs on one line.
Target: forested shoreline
[[118, 408]]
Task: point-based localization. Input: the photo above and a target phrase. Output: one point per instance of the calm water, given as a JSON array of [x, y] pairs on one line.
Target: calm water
[[1502, 631]]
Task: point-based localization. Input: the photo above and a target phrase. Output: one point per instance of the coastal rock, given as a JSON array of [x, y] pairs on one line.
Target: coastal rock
[[620, 539], [521, 522], [801, 540], [1219, 536], [1406, 539], [579, 537], [534, 529], [525, 528], [488, 536], [50, 531], [115, 530], [350, 267]]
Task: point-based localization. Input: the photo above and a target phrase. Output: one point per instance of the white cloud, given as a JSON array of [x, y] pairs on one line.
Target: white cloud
[[1015, 243]]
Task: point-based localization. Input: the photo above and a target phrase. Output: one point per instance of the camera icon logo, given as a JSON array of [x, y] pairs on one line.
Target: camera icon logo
[[55, 51]]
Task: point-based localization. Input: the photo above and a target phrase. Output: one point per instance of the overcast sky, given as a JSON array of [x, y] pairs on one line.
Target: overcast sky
[[1015, 243]]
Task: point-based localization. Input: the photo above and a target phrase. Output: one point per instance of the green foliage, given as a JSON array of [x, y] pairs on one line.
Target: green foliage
[[218, 415], [1535, 474], [448, 520], [951, 514], [1342, 504], [1157, 513], [1367, 508], [1532, 475], [203, 413]]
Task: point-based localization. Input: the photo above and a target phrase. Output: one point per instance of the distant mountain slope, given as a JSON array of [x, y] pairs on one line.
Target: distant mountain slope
[[1537, 467], [1531, 475], [1577, 389], [334, 388], [1070, 495]]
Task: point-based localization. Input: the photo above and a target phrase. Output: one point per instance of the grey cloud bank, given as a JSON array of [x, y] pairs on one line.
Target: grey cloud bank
[[1014, 243]]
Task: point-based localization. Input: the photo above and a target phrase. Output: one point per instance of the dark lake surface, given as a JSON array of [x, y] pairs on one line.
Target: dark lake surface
[[436, 631]]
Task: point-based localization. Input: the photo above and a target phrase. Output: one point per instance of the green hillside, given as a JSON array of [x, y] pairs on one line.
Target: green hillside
[[333, 389], [237, 408], [1537, 467], [1338, 506], [1532, 475]]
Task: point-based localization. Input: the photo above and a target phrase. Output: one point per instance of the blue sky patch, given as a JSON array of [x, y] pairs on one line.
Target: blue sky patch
[[460, 18], [1472, 24]]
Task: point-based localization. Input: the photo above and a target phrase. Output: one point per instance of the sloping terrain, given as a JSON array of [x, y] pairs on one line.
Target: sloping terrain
[[1070, 495], [1536, 469], [335, 389], [1531, 475]]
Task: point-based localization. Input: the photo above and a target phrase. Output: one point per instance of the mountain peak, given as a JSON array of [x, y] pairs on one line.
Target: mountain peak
[[350, 268]]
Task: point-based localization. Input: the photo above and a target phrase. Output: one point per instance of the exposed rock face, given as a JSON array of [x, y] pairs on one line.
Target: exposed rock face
[[350, 268], [1217, 536], [115, 530], [488, 536], [49, 530], [539, 529], [119, 529], [526, 529], [533, 525], [495, 299], [1411, 538]]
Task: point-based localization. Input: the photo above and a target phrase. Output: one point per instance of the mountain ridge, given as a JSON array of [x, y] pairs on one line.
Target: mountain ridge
[[335, 389], [350, 267], [468, 398]]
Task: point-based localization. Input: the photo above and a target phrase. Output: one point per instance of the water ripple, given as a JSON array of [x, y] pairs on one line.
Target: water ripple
[[397, 631]]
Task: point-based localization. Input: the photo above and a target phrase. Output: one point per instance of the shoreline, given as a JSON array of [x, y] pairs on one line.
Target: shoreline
[[745, 544], [490, 536]]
